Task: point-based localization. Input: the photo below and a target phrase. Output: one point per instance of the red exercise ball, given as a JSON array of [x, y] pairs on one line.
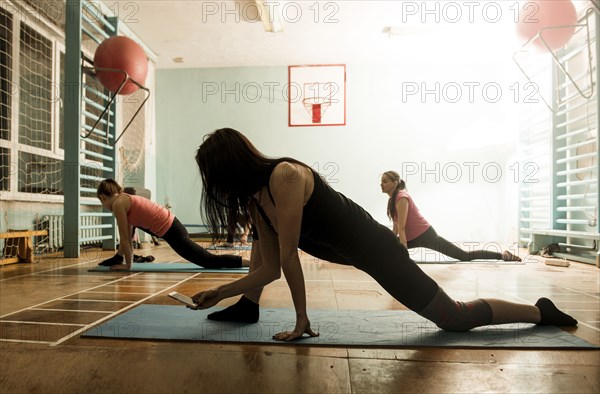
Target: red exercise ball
[[536, 15], [121, 53]]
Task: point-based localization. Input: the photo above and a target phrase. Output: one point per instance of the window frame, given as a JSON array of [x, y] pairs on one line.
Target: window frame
[[46, 29]]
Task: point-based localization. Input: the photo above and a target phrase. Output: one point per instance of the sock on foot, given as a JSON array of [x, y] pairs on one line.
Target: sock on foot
[[115, 260], [508, 256], [243, 311], [551, 315]]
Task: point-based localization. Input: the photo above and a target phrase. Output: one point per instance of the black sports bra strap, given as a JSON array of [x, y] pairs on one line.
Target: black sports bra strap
[[262, 213], [270, 195]]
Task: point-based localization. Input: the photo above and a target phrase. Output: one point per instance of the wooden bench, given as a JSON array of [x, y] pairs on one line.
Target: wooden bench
[[24, 249]]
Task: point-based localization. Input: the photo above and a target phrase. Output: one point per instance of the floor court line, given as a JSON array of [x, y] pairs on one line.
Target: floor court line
[[68, 266], [67, 310], [528, 302], [49, 270], [579, 322], [125, 285], [42, 323], [58, 298], [577, 291], [92, 300], [104, 292], [557, 301], [24, 341], [58, 342], [154, 280]]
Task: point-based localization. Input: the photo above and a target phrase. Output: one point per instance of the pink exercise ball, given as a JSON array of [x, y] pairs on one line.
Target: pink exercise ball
[[536, 15], [121, 53]]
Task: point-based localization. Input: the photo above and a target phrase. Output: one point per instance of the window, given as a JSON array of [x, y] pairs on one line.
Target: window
[[31, 135], [40, 174], [35, 88], [5, 97]]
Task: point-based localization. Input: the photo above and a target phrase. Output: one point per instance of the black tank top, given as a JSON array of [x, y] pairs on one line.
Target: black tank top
[[330, 220]]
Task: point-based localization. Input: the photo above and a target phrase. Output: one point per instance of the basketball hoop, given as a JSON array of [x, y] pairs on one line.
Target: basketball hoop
[[316, 107]]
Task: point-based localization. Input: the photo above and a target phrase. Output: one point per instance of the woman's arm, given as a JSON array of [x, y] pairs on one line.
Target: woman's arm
[[244, 238], [267, 271], [265, 268], [401, 215], [289, 184], [125, 246], [255, 262]]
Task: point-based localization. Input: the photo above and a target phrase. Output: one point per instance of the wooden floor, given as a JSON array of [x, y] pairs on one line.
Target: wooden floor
[[45, 306]]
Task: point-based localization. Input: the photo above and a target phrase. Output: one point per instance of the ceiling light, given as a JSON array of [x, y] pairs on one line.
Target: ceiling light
[[270, 15]]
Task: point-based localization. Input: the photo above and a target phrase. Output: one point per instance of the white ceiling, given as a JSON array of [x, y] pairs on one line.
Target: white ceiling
[[222, 33]]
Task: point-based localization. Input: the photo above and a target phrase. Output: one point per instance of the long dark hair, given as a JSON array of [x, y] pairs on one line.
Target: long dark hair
[[232, 170], [394, 176], [108, 187]]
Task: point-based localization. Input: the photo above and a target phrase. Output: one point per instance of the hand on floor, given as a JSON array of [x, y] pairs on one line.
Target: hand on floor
[[121, 267], [302, 327]]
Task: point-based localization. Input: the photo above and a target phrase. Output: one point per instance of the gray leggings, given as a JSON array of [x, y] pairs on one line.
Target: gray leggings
[[431, 240], [451, 315]]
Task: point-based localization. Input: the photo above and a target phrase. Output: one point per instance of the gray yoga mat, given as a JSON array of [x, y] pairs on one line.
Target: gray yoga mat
[[172, 267], [337, 328], [233, 248]]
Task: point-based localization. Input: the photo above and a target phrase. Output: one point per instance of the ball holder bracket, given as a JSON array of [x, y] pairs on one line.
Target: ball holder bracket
[[126, 79], [585, 93]]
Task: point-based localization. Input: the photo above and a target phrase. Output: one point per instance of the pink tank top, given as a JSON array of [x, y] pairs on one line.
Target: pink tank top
[[148, 215], [415, 222]]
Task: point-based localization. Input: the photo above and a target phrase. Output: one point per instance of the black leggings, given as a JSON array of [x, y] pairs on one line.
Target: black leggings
[[179, 239], [431, 240], [336, 229], [386, 260]]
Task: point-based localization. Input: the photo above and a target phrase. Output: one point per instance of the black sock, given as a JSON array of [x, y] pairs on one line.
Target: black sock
[[115, 260], [243, 311], [508, 256], [551, 315]]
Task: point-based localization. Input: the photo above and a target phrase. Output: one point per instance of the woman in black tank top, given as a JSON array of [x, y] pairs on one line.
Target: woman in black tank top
[[292, 207]]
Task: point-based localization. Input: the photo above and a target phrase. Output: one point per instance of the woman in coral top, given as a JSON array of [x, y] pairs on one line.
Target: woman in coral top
[[136, 211], [414, 231]]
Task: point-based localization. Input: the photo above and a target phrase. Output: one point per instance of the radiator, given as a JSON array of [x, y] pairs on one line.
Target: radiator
[[55, 225]]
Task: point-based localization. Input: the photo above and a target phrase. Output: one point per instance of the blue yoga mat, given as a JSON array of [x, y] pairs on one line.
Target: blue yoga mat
[[172, 267], [338, 328]]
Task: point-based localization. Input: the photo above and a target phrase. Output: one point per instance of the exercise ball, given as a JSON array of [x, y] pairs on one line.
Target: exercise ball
[[120, 53], [536, 15]]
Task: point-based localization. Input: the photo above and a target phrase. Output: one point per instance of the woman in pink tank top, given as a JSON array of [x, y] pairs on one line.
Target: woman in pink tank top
[[135, 211], [414, 231]]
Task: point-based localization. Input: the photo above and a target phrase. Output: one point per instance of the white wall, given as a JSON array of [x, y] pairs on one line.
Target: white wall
[[385, 130]]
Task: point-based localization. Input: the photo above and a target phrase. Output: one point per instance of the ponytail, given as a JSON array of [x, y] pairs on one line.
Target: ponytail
[[108, 187], [391, 208]]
